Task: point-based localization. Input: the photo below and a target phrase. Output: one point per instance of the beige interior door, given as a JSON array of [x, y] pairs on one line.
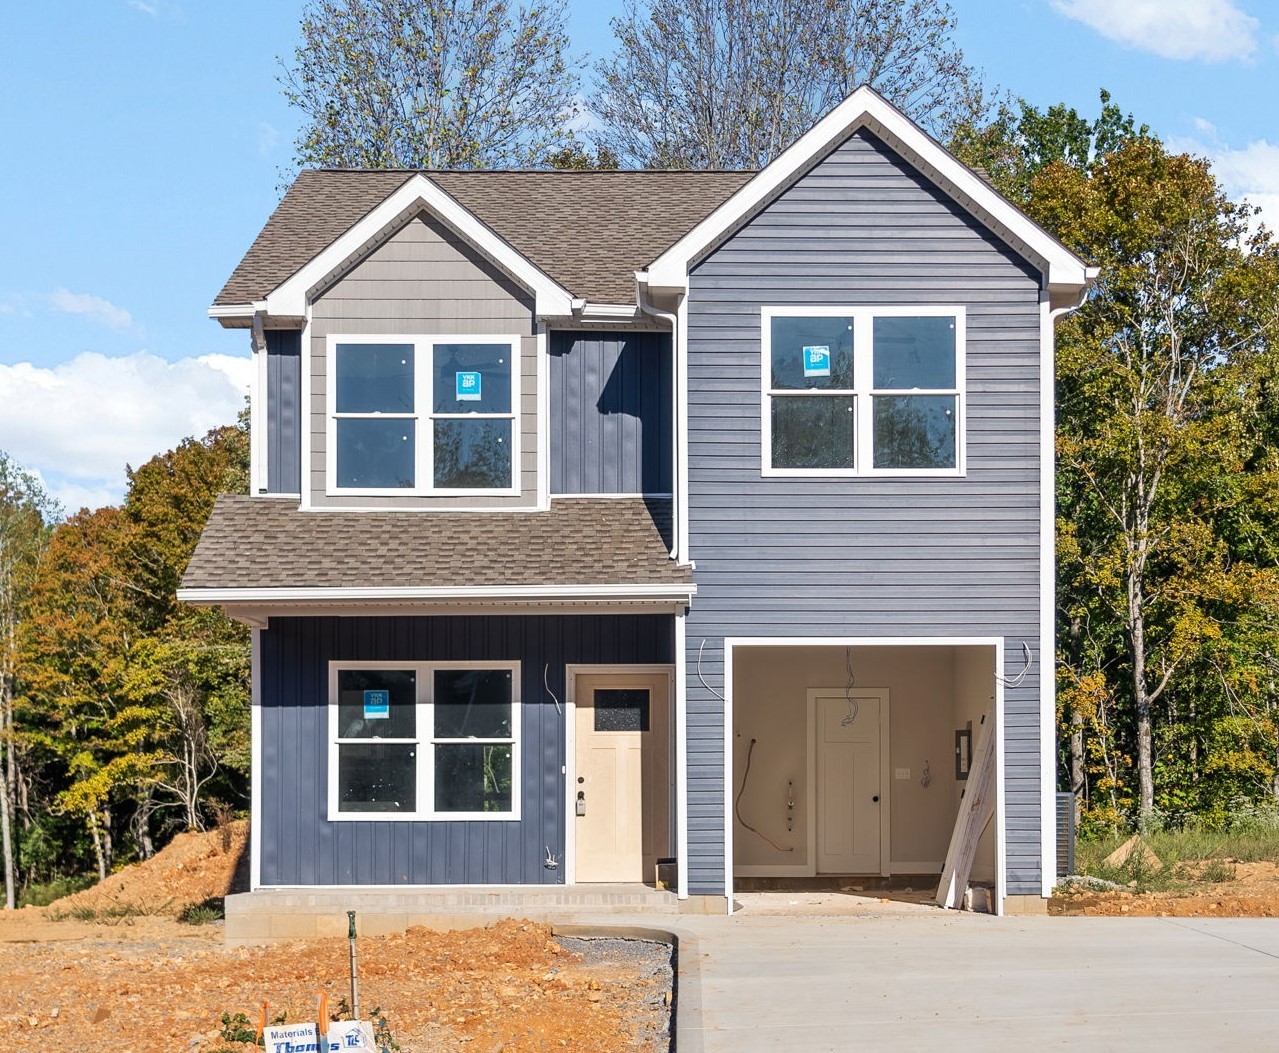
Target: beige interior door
[[849, 784], [622, 792]]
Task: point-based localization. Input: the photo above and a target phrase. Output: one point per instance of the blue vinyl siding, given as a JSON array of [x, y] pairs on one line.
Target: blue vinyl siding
[[301, 847], [610, 412], [284, 411], [864, 557]]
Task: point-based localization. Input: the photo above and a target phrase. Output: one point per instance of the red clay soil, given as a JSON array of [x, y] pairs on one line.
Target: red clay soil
[[110, 968], [1252, 892]]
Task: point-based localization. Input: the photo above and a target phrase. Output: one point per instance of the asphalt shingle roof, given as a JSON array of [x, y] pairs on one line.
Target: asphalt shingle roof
[[254, 543], [590, 231]]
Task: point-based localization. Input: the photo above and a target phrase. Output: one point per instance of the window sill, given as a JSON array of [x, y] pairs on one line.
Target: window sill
[[845, 473], [424, 817], [397, 492]]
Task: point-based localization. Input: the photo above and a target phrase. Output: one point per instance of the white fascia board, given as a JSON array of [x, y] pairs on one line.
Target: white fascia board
[[865, 106], [290, 298], [410, 593], [236, 310], [609, 312]]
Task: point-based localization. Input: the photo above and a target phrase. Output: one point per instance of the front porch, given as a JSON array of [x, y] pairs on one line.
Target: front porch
[[268, 915]]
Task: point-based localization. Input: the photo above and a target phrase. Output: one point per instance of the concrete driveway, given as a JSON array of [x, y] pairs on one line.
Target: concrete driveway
[[945, 982]]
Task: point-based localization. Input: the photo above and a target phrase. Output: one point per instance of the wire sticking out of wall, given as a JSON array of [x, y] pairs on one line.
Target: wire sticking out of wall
[[1015, 681], [546, 682], [854, 707], [699, 672], [737, 804]]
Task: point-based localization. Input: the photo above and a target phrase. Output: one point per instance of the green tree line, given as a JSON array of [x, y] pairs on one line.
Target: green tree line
[[123, 715]]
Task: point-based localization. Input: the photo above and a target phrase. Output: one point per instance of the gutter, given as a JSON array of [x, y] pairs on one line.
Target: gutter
[[410, 593]]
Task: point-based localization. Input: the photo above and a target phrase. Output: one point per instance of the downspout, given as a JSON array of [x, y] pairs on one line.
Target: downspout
[[258, 482], [641, 298], [1047, 602]]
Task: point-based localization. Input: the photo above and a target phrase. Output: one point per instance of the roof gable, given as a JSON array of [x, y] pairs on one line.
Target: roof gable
[[1066, 274], [587, 232]]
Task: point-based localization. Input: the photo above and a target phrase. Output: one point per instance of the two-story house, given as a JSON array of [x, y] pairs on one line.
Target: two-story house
[[605, 518]]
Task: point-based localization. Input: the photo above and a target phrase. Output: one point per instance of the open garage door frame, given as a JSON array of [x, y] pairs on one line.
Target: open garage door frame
[[995, 642]]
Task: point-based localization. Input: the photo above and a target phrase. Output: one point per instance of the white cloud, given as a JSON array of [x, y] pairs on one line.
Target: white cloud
[[1249, 173], [1212, 30], [94, 308], [80, 423], [8, 308], [146, 9]]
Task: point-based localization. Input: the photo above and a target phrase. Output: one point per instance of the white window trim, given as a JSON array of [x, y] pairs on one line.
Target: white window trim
[[423, 415], [425, 741], [863, 391]]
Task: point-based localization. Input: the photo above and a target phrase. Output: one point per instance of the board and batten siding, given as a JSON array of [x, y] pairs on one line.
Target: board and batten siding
[[610, 427], [301, 847], [424, 280], [283, 411], [823, 557]]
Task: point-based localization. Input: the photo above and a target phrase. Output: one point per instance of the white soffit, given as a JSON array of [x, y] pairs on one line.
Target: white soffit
[[417, 193], [866, 108]]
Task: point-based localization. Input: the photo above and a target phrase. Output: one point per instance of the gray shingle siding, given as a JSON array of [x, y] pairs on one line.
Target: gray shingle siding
[[301, 847], [284, 411], [864, 557], [610, 412]]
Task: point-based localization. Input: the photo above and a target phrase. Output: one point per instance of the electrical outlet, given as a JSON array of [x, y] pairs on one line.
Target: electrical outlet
[[901, 774]]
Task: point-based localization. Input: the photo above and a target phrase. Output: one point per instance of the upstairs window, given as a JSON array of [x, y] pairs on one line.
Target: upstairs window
[[863, 391], [422, 415]]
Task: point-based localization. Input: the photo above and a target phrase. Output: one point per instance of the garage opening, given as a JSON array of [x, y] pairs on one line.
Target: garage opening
[[849, 765]]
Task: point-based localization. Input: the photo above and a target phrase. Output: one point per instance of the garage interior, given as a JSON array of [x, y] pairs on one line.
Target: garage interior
[[849, 763]]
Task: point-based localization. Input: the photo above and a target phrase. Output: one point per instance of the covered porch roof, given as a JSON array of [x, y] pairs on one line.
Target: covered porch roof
[[259, 557]]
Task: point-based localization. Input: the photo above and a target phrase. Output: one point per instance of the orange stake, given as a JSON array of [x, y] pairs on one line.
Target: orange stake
[[261, 1022]]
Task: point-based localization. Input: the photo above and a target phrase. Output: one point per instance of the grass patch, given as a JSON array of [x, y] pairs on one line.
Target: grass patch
[[108, 913], [1201, 850], [44, 894], [211, 910]]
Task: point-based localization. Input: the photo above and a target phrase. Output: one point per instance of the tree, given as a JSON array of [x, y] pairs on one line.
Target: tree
[[1152, 370], [431, 83], [132, 705], [26, 517], [1167, 426], [1015, 146], [732, 83]]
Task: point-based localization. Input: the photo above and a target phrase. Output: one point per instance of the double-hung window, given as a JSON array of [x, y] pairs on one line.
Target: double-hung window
[[423, 415], [424, 740], [851, 391]]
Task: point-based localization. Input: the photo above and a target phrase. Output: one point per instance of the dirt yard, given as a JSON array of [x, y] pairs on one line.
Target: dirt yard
[[111, 967], [1218, 889]]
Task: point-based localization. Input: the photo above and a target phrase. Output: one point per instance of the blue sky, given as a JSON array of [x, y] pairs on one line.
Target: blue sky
[[144, 141]]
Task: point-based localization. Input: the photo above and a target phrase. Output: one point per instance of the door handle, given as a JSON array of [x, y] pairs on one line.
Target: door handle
[[581, 802]]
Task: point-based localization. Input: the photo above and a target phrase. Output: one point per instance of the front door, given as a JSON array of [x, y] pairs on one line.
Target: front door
[[621, 795], [850, 804]]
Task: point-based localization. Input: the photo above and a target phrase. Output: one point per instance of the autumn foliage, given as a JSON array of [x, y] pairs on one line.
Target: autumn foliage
[[127, 713]]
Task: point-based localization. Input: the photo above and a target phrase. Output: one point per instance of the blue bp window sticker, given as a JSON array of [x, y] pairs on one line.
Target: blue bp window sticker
[[377, 705], [816, 360], [469, 385]]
